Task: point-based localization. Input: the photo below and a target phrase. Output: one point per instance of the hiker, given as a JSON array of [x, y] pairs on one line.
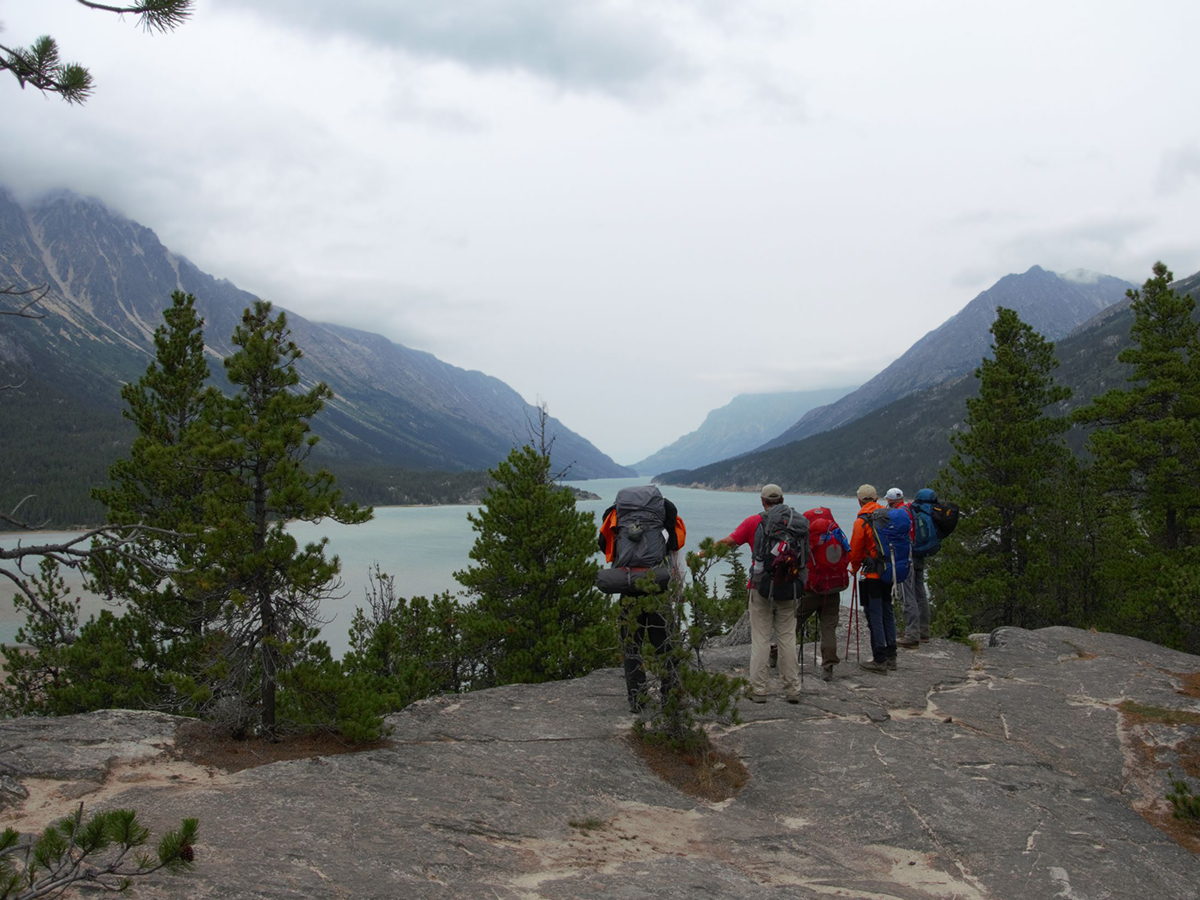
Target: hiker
[[639, 534], [927, 540], [777, 606], [874, 591], [828, 576], [912, 614]]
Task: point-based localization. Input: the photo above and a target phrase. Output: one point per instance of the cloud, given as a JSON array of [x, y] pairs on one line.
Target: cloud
[[1112, 245], [590, 45], [1177, 167]]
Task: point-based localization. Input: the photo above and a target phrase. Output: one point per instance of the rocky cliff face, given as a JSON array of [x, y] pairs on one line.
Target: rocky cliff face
[[1034, 767], [1053, 304], [109, 280]]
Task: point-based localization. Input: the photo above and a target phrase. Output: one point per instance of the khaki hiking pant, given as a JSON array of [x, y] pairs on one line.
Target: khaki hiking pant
[[764, 615]]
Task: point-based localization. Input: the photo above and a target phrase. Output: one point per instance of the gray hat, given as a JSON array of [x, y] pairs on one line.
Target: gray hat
[[772, 492], [894, 494], [867, 492]]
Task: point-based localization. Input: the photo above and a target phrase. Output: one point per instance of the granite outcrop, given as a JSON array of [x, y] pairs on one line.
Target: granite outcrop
[[1034, 765]]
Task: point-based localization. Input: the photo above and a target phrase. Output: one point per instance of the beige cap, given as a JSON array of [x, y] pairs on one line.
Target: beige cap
[[867, 492], [772, 492]]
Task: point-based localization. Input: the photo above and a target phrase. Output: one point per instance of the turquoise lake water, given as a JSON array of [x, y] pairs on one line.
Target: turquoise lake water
[[423, 546]]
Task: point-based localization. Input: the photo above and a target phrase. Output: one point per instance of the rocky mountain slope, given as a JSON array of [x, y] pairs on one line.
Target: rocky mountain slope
[[1053, 304], [743, 424], [907, 441], [1036, 766], [109, 279]]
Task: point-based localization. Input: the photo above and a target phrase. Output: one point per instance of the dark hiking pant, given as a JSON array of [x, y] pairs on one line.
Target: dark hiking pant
[[828, 607], [881, 617], [649, 627]]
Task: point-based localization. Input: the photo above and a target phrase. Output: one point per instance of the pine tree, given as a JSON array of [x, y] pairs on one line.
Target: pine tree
[[262, 439], [1147, 463], [1005, 461], [537, 615], [162, 484]]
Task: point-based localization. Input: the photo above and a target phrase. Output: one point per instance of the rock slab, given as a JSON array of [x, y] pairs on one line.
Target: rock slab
[[1009, 771]]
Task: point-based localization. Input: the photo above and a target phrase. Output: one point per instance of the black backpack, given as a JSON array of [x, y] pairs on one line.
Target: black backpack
[[639, 544], [780, 566]]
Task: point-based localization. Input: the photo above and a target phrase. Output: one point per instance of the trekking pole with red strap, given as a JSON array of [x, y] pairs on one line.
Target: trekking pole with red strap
[[850, 618], [857, 629]]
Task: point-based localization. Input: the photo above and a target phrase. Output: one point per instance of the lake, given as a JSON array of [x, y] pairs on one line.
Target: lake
[[423, 546]]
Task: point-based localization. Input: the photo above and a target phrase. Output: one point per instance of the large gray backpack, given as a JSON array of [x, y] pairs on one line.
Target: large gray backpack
[[781, 551], [640, 542]]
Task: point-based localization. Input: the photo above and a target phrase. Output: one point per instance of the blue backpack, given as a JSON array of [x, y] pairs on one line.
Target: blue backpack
[[929, 539], [891, 532]]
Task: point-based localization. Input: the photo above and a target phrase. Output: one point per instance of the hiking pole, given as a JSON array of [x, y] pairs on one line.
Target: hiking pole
[[801, 655], [857, 629], [850, 618]]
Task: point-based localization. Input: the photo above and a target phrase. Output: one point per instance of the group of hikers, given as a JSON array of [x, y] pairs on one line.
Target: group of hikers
[[801, 563]]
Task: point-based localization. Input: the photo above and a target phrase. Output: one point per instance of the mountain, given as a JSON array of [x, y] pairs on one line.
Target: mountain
[[741, 425], [907, 441], [1053, 304], [108, 280]]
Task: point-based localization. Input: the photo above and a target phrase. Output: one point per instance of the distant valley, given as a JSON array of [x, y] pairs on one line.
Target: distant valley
[[742, 425]]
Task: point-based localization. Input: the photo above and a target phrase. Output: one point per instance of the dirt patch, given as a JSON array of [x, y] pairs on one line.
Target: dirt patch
[[205, 745], [1136, 718], [1080, 653], [49, 799], [1141, 714], [627, 834], [1189, 683], [709, 774]]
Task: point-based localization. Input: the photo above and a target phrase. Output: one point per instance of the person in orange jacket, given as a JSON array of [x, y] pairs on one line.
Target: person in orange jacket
[[875, 592]]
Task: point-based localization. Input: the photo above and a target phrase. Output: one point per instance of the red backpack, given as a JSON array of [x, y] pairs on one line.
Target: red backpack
[[829, 564]]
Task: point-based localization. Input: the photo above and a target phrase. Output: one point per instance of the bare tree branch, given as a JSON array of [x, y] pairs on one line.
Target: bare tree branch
[[114, 540], [10, 518], [24, 311]]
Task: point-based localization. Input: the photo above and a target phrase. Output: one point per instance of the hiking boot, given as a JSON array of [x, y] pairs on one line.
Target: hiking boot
[[793, 698], [757, 698], [890, 662], [908, 643], [773, 659], [636, 704], [827, 672], [925, 639], [871, 666]]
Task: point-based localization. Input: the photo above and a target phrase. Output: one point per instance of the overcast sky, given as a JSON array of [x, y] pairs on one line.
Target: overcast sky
[[632, 211]]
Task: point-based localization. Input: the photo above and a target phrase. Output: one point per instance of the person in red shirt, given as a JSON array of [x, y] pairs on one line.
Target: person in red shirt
[[765, 613], [875, 592]]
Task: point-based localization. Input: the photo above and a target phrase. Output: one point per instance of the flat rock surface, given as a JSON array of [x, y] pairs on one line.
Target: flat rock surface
[[1010, 771]]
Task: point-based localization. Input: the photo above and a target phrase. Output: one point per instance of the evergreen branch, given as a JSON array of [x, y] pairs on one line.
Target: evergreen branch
[[154, 15]]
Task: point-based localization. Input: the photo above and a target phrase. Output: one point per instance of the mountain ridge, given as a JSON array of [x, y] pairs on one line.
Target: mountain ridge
[[1052, 304], [907, 442], [108, 279]]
